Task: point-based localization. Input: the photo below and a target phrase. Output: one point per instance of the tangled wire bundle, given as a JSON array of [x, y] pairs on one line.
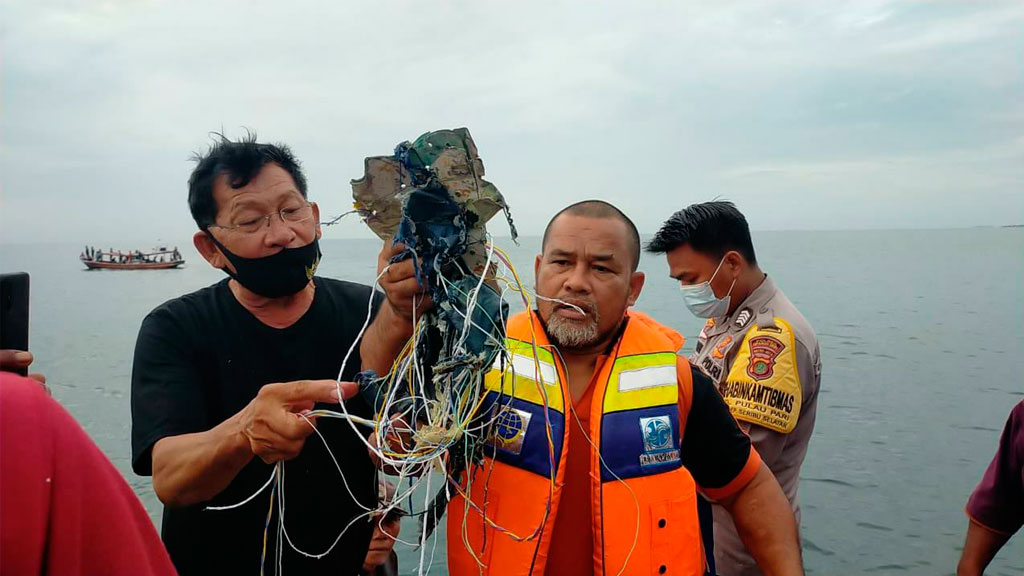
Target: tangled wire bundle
[[432, 412]]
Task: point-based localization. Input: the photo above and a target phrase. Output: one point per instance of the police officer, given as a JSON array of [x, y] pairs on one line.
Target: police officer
[[756, 346]]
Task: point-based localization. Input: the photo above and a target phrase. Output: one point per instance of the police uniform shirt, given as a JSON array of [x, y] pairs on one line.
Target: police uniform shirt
[[764, 358]]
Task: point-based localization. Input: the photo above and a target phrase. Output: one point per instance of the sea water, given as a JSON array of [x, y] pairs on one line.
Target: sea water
[[921, 343]]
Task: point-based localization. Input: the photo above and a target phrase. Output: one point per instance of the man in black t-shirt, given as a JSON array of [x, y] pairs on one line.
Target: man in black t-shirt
[[223, 374]]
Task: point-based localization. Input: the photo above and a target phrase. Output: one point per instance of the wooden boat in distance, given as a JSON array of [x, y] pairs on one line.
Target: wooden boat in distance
[[157, 259]]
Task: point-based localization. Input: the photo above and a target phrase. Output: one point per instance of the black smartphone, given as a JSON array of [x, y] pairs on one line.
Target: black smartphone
[[14, 313]]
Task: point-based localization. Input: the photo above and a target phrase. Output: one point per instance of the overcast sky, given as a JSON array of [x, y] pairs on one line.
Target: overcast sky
[[809, 115]]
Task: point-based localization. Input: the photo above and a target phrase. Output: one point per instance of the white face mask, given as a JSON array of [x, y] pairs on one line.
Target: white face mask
[[701, 299]]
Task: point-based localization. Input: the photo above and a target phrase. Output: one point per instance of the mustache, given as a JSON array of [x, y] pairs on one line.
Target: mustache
[[587, 305]]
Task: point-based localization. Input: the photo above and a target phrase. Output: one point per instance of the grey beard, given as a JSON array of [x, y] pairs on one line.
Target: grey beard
[[572, 335]]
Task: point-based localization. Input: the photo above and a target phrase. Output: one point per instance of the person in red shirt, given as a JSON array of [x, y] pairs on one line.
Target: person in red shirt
[[64, 508], [996, 507]]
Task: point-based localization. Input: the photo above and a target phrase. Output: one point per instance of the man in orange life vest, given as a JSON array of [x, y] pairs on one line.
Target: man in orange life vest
[[603, 434]]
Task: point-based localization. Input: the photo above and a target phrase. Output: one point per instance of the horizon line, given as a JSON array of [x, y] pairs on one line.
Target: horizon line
[[642, 234]]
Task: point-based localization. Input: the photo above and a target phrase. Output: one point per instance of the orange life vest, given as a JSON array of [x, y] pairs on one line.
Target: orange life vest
[[644, 501]]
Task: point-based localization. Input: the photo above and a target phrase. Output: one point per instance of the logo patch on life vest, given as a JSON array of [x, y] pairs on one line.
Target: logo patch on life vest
[[763, 352], [510, 429], [657, 433]]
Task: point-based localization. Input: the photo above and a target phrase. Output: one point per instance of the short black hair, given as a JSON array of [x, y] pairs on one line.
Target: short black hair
[[711, 228], [241, 161], [599, 209]]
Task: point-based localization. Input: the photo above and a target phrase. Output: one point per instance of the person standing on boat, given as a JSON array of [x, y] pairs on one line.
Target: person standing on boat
[[604, 433], [222, 375], [757, 347]]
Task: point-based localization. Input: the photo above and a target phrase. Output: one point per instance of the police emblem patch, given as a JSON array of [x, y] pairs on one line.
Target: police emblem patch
[[707, 328], [763, 352], [510, 429], [657, 434], [721, 347], [763, 384]]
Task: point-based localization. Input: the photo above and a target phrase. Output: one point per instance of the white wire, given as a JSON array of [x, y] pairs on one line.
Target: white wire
[[273, 474], [455, 419]]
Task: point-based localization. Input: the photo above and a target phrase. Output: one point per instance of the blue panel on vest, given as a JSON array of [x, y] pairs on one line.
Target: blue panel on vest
[[640, 442], [518, 436]]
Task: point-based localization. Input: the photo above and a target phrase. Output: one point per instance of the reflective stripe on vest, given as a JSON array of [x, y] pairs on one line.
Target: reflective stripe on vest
[[636, 425], [518, 390], [640, 428]]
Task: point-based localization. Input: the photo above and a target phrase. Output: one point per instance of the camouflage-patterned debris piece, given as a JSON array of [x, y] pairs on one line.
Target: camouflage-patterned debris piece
[[446, 157]]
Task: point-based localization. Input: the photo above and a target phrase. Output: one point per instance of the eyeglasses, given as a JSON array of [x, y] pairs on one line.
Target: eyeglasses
[[288, 216]]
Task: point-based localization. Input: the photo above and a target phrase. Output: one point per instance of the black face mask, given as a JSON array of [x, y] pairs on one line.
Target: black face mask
[[281, 274]]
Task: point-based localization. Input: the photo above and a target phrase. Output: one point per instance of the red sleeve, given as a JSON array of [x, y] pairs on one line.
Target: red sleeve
[[64, 508], [997, 503]]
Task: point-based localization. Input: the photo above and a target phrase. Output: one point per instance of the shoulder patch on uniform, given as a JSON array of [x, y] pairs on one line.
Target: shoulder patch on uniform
[[763, 384], [764, 350]]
